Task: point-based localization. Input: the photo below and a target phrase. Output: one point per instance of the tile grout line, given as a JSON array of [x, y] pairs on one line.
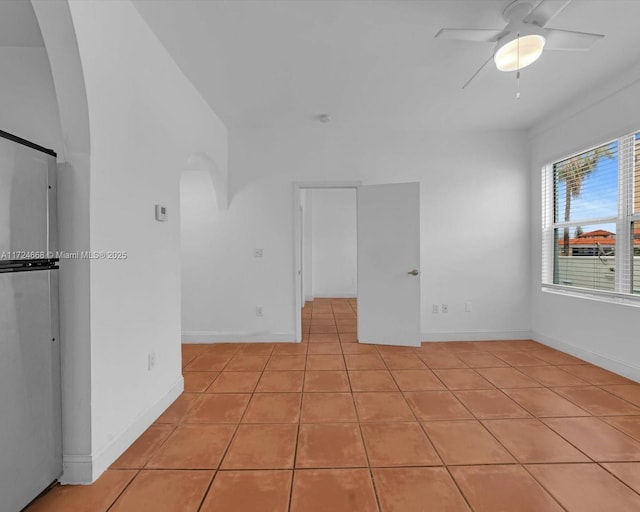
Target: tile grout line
[[480, 422], [206, 493], [590, 415], [601, 387], [144, 466], [121, 493], [226, 451], [569, 399], [435, 449], [540, 420], [295, 458], [548, 491], [295, 452], [533, 415], [454, 351], [359, 424], [616, 476], [364, 445], [455, 482]]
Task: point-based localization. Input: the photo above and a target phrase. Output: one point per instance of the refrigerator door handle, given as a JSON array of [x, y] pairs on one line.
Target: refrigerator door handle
[[28, 265]]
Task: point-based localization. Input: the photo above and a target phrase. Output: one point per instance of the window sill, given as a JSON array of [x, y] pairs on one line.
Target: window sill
[[599, 295]]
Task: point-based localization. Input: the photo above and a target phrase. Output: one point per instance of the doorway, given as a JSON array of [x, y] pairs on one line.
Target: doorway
[[388, 261], [326, 252], [329, 235]]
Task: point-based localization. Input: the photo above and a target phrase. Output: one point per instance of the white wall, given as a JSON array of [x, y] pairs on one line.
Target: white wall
[[334, 243], [28, 106], [146, 121], [600, 332], [475, 236], [474, 217]]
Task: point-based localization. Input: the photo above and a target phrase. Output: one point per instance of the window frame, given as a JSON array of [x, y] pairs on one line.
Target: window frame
[[624, 248]]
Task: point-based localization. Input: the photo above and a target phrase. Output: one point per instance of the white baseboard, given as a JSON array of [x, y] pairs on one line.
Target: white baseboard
[[237, 337], [606, 362], [309, 298], [336, 296], [475, 335], [385, 343], [85, 469], [76, 469]]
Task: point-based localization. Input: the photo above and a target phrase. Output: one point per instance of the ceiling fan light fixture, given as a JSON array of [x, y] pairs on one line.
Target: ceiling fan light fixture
[[518, 52]]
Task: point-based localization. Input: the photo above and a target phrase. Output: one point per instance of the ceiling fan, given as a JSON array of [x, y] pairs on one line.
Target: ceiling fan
[[525, 36]]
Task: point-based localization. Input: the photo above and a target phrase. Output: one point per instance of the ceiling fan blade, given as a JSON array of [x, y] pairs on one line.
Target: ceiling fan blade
[[464, 34], [545, 11], [568, 40], [478, 72]]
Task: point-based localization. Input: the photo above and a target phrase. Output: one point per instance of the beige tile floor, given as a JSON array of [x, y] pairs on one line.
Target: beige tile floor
[[332, 425]]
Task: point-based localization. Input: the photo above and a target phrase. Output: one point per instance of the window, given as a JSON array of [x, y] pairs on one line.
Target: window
[[591, 220], [635, 224]]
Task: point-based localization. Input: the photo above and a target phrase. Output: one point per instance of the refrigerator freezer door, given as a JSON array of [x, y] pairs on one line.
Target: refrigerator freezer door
[[30, 431], [24, 202]]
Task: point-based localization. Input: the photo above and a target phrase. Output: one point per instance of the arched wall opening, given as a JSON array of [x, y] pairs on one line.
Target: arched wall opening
[[58, 33], [120, 320], [201, 199]]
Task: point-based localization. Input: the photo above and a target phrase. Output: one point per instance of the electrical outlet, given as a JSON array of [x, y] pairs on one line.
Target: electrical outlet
[[151, 361], [467, 307], [434, 308], [445, 308], [258, 253], [259, 311]]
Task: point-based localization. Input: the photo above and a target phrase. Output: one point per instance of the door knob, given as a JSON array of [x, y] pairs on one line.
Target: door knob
[[413, 272]]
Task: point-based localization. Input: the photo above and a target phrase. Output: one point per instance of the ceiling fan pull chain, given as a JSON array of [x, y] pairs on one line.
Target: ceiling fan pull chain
[[518, 68]]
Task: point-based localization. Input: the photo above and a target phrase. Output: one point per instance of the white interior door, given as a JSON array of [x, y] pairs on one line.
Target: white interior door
[[389, 264]]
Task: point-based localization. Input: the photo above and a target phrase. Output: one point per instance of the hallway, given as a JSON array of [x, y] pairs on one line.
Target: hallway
[[332, 425]]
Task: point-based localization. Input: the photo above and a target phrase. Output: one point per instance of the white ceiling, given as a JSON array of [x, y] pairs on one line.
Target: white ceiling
[[368, 62], [377, 62], [18, 24]]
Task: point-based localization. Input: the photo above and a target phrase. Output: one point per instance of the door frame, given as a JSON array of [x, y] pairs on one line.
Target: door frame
[[298, 188]]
